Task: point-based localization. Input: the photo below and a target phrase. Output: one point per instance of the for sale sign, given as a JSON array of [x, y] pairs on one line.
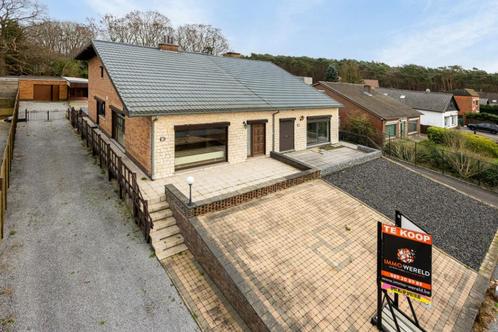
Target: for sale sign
[[406, 264]]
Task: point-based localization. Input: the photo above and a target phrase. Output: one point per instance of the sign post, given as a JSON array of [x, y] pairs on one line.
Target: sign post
[[404, 267]]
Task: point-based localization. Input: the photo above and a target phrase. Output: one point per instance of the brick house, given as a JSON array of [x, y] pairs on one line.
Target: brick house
[[170, 110], [439, 109], [388, 116], [467, 101]]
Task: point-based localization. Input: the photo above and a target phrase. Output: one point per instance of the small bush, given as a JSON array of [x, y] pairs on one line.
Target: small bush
[[443, 136], [458, 140]]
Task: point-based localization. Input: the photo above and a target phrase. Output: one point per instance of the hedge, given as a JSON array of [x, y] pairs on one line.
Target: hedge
[[488, 117], [466, 140], [490, 109]]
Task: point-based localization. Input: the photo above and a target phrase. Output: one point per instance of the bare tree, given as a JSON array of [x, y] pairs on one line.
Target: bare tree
[[15, 15], [141, 28], [61, 37], [201, 38]]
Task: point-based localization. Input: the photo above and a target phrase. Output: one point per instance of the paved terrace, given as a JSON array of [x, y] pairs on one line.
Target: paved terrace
[[306, 259], [220, 179], [333, 158]]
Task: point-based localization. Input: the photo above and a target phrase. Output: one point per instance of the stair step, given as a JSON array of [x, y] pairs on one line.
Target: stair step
[[167, 243], [171, 251], [161, 214], [158, 206], [163, 223], [157, 199], [164, 233]]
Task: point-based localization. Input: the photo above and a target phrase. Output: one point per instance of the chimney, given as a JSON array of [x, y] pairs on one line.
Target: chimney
[[168, 45], [232, 55]]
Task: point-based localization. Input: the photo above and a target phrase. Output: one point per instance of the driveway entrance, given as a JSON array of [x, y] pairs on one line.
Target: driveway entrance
[[73, 259]]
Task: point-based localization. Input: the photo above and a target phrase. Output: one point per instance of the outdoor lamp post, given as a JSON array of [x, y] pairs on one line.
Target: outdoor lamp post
[[190, 182]]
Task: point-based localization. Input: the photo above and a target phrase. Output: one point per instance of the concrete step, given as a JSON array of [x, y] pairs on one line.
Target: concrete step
[[157, 199], [163, 223], [167, 243], [158, 206], [161, 214], [164, 233], [171, 251]]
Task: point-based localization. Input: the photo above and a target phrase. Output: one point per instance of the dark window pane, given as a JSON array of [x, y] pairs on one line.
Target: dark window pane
[[318, 131], [200, 146]]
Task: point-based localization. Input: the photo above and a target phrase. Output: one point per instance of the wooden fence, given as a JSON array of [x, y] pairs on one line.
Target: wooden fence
[[116, 169], [7, 165]]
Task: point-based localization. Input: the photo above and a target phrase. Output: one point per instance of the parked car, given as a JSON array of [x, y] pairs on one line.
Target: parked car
[[489, 127]]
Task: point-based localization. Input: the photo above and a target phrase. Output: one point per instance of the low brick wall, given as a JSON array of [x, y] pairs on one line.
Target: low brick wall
[[198, 240]]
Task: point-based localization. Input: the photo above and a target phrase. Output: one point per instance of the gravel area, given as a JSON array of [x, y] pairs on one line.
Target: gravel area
[[460, 225], [73, 259]]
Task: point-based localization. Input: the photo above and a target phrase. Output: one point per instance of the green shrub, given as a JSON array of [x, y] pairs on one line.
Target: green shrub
[[444, 136], [435, 134], [488, 117], [480, 144], [489, 109]]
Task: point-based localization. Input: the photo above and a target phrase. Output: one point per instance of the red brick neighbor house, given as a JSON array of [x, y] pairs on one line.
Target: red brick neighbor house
[[467, 101], [170, 110], [388, 116]]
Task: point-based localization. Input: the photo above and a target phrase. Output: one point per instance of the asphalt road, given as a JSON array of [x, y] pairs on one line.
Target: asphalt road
[[73, 259], [461, 226], [482, 133]]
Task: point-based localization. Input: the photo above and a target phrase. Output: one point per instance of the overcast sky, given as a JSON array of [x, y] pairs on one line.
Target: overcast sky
[[425, 32]]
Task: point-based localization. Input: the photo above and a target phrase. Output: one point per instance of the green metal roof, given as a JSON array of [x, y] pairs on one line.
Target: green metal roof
[[155, 82]]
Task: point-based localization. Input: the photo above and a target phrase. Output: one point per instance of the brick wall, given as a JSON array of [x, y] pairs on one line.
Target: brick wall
[[237, 134], [137, 135], [138, 141], [26, 88], [467, 104], [351, 110]]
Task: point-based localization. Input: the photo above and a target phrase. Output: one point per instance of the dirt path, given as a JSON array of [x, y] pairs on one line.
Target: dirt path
[[73, 259]]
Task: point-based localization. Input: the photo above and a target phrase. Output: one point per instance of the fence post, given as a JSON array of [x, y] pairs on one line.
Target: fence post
[[120, 177], [442, 161], [109, 175], [415, 158], [479, 171]]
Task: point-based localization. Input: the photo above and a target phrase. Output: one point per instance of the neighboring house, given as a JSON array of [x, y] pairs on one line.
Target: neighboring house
[[467, 101], [171, 110], [373, 83], [388, 116], [53, 89], [438, 109], [488, 98]]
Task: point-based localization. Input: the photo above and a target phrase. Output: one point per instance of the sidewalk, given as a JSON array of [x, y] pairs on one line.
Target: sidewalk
[[73, 259]]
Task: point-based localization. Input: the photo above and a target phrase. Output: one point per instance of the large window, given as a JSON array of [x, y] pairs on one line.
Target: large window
[[118, 127], [318, 131], [200, 145]]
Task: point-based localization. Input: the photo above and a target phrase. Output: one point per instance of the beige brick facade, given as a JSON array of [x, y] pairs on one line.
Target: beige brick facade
[[164, 139]]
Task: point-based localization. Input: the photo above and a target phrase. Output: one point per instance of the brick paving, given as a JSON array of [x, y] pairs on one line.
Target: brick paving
[[209, 308], [308, 257]]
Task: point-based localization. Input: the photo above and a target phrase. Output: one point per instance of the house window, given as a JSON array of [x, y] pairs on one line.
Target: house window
[[412, 126], [101, 72], [100, 108], [318, 130], [391, 130], [118, 127], [198, 146]]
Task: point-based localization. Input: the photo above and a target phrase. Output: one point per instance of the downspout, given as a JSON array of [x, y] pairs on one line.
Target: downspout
[[273, 130], [152, 147]]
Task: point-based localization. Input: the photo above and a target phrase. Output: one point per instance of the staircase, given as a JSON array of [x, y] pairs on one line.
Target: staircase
[[165, 235]]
